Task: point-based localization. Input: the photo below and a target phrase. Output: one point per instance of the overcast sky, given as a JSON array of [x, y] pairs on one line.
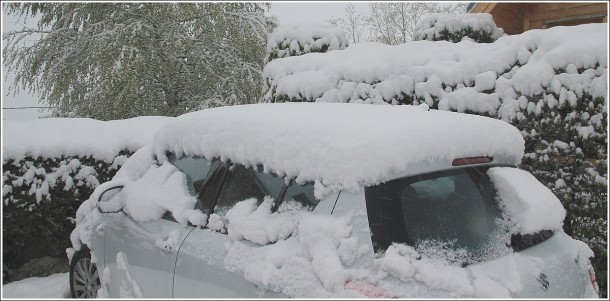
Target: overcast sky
[[23, 99], [300, 12], [285, 11]]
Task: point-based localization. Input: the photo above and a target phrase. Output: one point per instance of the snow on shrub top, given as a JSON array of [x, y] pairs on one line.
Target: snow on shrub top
[[54, 137], [530, 204], [378, 73], [444, 26], [297, 39], [338, 145]]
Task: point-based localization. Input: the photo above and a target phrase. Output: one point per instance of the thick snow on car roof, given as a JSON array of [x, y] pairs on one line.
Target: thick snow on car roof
[[341, 146]]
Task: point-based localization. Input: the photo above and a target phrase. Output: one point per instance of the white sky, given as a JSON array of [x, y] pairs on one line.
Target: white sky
[[316, 11], [23, 99], [285, 11]]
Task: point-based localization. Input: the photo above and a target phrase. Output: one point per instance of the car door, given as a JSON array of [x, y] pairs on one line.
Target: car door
[[141, 256], [139, 263], [200, 268]]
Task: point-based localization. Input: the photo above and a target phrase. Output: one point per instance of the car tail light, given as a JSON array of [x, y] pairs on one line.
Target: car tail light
[[369, 290], [471, 160], [592, 277]]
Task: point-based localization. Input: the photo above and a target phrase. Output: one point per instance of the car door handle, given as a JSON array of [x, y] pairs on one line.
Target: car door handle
[[170, 243], [166, 245], [168, 248], [100, 230]]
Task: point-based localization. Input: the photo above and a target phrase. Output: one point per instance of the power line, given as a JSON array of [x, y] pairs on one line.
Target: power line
[[19, 108]]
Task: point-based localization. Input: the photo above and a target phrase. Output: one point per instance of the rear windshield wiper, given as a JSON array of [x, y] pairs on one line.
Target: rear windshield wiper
[[520, 242]]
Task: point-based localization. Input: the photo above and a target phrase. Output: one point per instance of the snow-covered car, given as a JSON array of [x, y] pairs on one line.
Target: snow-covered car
[[327, 200]]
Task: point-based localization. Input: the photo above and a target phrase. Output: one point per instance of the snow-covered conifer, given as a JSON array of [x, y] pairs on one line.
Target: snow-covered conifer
[[479, 27]]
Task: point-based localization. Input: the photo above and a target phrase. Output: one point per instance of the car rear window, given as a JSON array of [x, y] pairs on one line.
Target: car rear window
[[456, 209]]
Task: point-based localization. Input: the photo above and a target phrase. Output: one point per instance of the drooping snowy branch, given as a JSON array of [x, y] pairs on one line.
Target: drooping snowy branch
[[120, 60]]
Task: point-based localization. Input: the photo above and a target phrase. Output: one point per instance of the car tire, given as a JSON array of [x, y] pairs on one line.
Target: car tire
[[84, 277]]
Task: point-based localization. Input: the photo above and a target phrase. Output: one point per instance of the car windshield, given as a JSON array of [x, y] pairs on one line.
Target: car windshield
[[455, 210]]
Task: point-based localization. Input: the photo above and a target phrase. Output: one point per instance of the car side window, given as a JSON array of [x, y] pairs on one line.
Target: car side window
[[243, 183], [303, 194], [195, 168]]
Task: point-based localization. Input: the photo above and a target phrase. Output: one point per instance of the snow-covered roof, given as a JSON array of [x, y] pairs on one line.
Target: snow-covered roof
[[337, 145], [54, 137]]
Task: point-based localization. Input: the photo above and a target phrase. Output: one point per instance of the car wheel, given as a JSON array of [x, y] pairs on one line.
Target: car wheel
[[84, 278]]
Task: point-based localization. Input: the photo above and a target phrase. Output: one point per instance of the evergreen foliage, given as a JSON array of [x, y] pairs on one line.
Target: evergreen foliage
[[479, 28], [478, 36], [40, 195], [574, 166], [295, 40]]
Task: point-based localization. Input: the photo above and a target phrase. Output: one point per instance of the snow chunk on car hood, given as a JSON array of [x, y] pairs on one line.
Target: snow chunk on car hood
[[530, 204], [343, 146]]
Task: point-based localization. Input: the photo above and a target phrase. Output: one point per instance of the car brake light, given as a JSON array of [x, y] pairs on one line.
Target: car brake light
[[367, 289], [471, 160], [592, 277]]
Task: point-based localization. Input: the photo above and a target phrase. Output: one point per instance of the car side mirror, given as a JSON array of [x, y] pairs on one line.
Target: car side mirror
[[108, 202]]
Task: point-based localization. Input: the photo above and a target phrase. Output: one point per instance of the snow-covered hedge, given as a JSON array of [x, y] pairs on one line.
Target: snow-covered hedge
[[50, 166], [40, 195], [551, 84], [480, 28], [298, 39]]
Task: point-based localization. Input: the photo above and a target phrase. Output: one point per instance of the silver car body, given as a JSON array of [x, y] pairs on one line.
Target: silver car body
[[189, 261], [194, 266]]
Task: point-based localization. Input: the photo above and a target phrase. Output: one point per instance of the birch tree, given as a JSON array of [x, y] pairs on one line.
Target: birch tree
[[393, 22], [353, 24], [120, 60]]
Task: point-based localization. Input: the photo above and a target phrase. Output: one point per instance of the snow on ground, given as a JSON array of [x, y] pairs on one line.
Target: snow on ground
[[54, 137], [54, 286]]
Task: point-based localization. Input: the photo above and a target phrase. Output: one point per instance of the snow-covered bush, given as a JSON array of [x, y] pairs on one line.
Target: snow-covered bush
[[566, 149], [480, 28], [40, 196], [50, 166], [299, 39], [551, 84]]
